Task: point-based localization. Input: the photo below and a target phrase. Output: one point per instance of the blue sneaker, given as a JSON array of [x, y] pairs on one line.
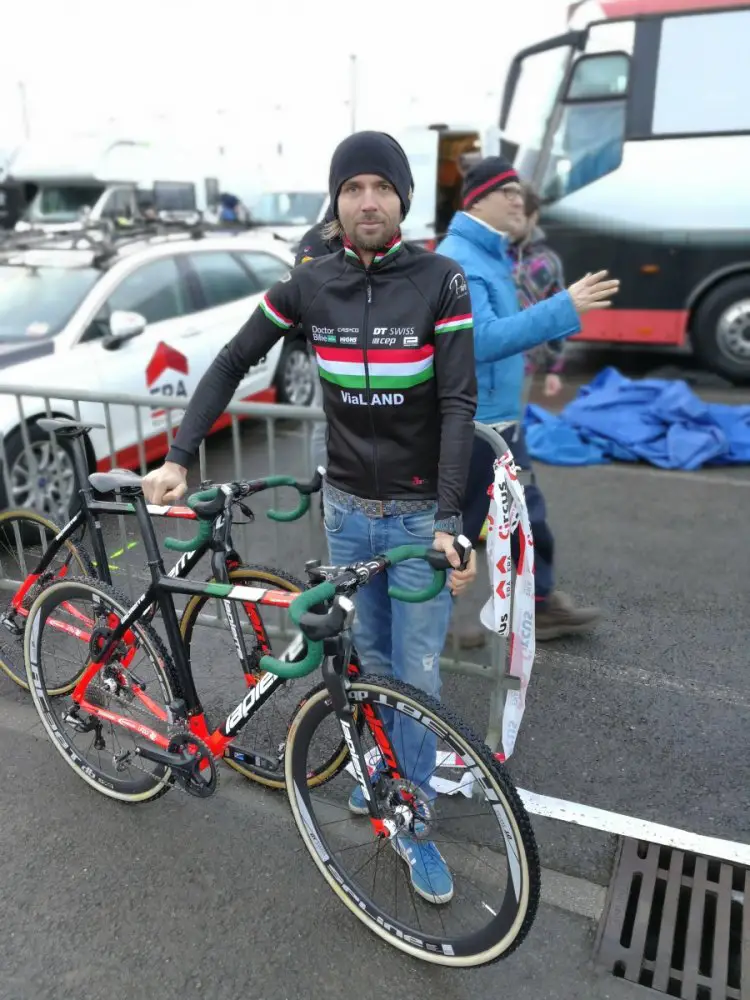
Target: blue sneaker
[[430, 876], [357, 803]]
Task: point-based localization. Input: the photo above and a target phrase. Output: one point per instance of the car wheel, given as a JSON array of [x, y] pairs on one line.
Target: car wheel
[[296, 376], [43, 479], [721, 330]]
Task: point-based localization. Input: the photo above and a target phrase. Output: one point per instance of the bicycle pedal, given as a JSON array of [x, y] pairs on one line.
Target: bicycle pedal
[[11, 626]]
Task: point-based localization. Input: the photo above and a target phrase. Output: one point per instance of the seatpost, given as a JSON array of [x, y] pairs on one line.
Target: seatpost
[[81, 466], [154, 557]]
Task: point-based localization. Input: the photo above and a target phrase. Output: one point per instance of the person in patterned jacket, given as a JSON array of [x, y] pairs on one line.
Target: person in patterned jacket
[[538, 273]]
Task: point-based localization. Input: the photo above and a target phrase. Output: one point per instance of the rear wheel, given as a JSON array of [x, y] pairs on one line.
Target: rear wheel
[[257, 751], [721, 329], [125, 701], [24, 538]]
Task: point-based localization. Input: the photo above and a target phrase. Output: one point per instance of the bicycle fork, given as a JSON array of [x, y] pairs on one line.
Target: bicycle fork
[[337, 656]]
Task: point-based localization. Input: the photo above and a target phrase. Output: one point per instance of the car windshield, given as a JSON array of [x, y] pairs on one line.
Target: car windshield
[[62, 203], [37, 302], [288, 208]]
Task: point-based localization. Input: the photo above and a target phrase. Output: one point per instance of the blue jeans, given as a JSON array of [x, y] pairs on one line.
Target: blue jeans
[[394, 638]]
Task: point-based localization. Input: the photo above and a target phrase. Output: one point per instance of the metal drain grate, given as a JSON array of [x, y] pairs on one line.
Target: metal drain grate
[[676, 923]]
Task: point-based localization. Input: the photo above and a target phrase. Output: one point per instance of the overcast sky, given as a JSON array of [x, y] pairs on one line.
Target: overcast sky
[[234, 73]]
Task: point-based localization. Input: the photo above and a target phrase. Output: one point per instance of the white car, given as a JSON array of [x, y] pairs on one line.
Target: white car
[[138, 315]]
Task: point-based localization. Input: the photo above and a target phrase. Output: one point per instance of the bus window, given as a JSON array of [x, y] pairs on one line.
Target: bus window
[[589, 137], [693, 50]]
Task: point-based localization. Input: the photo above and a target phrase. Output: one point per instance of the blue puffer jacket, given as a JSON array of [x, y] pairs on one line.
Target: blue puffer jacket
[[502, 331]]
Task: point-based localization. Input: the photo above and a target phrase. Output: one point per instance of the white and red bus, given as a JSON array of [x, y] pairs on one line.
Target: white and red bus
[[634, 127]]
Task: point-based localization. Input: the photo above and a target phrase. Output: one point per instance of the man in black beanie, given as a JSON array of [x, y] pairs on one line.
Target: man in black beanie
[[493, 207], [391, 326]]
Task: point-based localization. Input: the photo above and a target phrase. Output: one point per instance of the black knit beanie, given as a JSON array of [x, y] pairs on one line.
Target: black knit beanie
[[488, 175], [371, 153]]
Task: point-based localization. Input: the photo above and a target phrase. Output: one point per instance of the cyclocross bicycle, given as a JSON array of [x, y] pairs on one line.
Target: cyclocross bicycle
[[38, 552], [134, 726]]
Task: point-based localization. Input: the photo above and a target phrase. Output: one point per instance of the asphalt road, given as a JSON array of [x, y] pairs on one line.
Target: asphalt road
[[648, 716]]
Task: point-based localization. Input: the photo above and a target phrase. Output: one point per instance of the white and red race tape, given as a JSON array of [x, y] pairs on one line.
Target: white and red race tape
[[502, 614]]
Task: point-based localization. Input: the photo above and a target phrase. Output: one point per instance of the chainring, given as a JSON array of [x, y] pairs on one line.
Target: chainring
[[198, 781]]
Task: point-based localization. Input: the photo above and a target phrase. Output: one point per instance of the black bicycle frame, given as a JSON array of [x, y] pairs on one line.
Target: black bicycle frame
[[337, 650], [160, 592]]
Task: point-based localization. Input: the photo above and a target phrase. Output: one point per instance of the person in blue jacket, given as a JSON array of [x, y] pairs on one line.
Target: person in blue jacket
[[493, 205]]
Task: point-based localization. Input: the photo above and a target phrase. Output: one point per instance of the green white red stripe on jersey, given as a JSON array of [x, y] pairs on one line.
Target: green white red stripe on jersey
[[453, 323], [387, 368], [272, 313], [385, 253]]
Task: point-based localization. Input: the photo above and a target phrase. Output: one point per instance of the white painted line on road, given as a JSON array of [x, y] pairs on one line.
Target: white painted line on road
[[637, 829], [23, 718]]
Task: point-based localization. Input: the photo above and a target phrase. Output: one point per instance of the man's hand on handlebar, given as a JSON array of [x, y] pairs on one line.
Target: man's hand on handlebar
[[458, 579], [165, 485]]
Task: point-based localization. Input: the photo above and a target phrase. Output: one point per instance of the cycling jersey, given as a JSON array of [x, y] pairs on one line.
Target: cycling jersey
[[395, 353]]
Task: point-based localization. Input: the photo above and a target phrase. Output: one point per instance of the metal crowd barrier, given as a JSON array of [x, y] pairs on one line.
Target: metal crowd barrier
[[287, 451]]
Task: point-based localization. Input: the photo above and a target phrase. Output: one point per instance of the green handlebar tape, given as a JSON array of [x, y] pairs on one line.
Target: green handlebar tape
[[204, 527], [314, 655], [318, 594], [287, 515], [201, 495], [403, 552]]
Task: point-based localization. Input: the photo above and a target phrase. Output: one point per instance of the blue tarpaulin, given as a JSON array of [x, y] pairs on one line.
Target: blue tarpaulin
[[659, 421]]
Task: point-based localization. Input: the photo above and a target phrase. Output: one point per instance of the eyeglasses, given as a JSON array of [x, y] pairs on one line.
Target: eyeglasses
[[512, 193]]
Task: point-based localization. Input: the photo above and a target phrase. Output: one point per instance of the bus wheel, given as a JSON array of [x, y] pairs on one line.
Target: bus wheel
[[720, 330]]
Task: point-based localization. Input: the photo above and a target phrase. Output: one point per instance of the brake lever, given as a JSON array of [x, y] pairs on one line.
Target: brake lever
[[326, 625], [439, 560]]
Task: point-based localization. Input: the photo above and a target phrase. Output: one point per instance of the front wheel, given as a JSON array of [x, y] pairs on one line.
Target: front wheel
[[459, 883]]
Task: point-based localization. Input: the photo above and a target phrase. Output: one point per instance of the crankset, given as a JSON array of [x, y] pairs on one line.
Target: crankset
[[191, 762]]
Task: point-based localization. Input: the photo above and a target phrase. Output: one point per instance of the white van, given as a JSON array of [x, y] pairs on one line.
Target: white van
[[117, 180]]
